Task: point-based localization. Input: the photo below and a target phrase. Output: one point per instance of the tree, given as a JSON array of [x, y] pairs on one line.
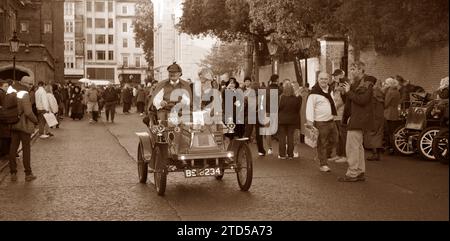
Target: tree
[[229, 20], [225, 58], [143, 28]]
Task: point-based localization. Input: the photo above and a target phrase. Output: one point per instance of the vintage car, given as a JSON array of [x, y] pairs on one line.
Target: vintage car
[[423, 121], [193, 148]]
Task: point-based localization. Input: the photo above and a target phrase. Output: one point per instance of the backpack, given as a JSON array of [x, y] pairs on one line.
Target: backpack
[[9, 109]]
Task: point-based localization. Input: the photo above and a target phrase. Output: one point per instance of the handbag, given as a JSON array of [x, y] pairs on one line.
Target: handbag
[[311, 135], [50, 118]]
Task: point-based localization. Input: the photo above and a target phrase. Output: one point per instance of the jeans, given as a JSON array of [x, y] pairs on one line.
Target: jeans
[[326, 140], [259, 140], [126, 107], [286, 132], [110, 108], [16, 138], [140, 107], [42, 123], [355, 153], [342, 138]]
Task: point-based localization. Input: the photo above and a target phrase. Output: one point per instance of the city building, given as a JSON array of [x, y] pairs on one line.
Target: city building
[[39, 27], [173, 46], [99, 41]]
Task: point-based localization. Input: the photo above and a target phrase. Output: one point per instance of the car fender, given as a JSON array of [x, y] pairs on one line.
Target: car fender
[[147, 145]]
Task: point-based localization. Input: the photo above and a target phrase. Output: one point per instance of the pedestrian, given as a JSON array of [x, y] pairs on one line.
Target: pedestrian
[[65, 100], [5, 129], [92, 96], [52, 103], [271, 110], [111, 99], [320, 113], [288, 120], [336, 85], [127, 99], [373, 139], [140, 100], [298, 133], [76, 104], [21, 132], [391, 112], [251, 114], [42, 107], [232, 87], [358, 115]]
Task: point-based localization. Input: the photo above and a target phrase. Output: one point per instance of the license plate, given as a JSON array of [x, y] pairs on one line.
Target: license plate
[[206, 172]]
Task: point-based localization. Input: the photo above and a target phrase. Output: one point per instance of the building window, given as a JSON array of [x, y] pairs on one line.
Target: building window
[[99, 7], [125, 61], [110, 7], [100, 23], [125, 43], [89, 6], [24, 27], [124, 9], [110, 23], [68, 8], [124, 27], [111, 55], [48, 27], [137, 61], [68, 27], [89, 22], [100, 39], [100, 55], [89, 39], [89, 54], [110, 39]]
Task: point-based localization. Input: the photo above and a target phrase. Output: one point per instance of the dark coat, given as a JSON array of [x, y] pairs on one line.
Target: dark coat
[[391, 103], [268, 96], [289, 109], [358, 113], [110, 95], [127, 95]]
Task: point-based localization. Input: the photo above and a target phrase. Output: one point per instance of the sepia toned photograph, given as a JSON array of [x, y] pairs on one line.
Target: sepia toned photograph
[[224, 110]]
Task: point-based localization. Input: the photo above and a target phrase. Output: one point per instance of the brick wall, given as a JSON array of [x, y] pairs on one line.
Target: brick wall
[[424, 67]]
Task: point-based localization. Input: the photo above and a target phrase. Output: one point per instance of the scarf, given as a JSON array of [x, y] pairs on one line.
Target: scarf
[[318, 91]]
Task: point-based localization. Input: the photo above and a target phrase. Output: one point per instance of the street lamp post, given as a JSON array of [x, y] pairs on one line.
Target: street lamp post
[[273, 49], [305, 42], [14, 49]]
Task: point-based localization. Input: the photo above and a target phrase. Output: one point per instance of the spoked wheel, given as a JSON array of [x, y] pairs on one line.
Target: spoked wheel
[[440, 147], [401, 144], [244, 167], [142, 165], [160, 174], [425, 143]]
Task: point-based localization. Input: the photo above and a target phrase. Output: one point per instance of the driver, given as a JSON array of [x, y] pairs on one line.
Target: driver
[[161, 97]]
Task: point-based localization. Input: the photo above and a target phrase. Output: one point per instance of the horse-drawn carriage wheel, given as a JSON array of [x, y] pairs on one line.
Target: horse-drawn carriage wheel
[[401, 144], [160, 175], [142, 165], [244, 167], [425, 143], [440, 147]]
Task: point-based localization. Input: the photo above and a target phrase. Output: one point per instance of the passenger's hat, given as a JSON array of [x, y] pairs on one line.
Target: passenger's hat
[[174, 68], [338, 72]]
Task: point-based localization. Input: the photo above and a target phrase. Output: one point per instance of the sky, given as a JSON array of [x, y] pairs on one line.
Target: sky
[[205, 43]]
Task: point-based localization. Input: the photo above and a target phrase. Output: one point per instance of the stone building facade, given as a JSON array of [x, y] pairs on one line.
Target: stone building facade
[[39, 27]]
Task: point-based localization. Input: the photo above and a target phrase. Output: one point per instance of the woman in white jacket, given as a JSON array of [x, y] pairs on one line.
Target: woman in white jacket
[[52, 102]]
